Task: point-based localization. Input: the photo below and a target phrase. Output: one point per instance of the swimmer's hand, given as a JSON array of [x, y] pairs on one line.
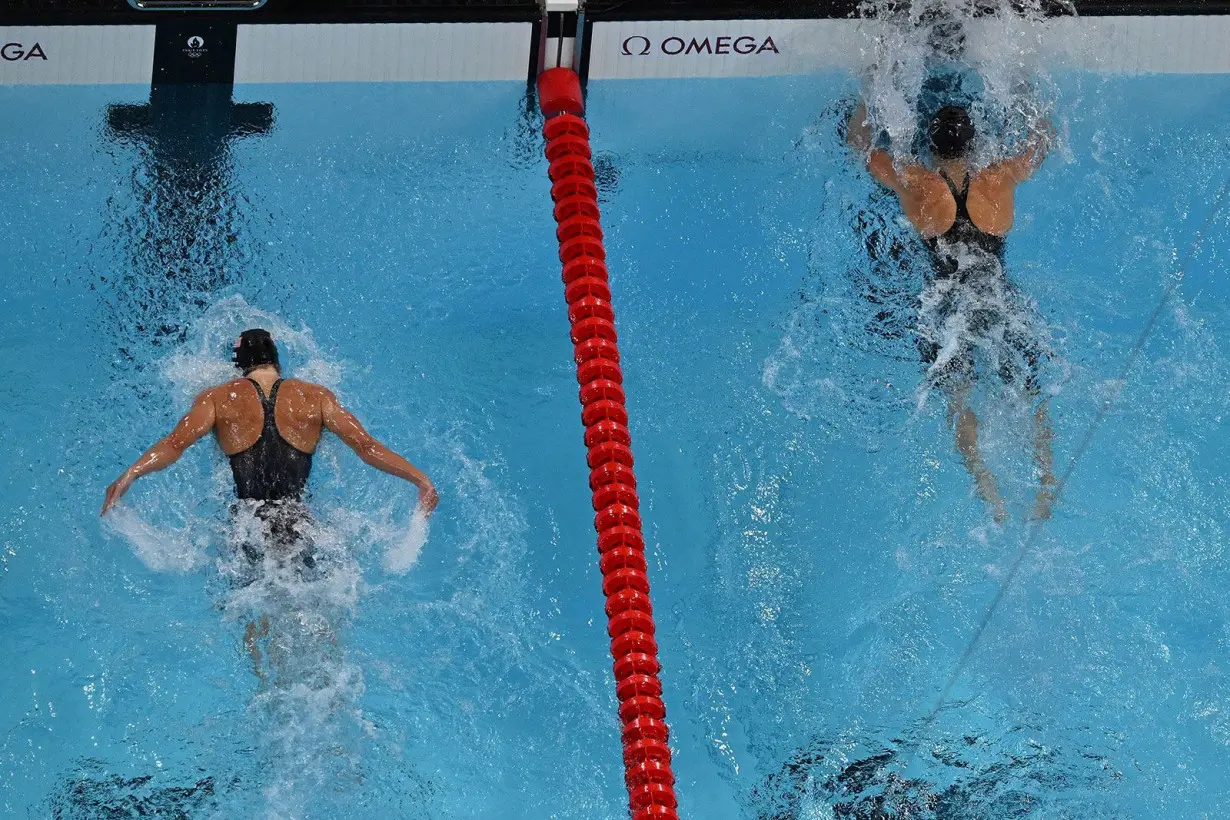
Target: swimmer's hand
[[116, 491], [428, 498], [858, 129]]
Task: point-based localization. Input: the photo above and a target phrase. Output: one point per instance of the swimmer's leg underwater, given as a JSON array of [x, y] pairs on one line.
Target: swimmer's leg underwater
[[1048, 485], [290, 635], [967, 446], [956, 381], [255, 632]]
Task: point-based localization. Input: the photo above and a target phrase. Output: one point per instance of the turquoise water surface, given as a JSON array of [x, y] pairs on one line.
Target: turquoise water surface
[[820, 563]]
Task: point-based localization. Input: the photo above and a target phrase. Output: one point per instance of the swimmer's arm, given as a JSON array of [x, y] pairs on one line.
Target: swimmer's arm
[[858, 128], [879, 161], [1025, 164], [191, 428], [345, 426]]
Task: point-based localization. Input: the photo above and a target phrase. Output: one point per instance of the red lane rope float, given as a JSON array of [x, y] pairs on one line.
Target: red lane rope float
[[617, 518]]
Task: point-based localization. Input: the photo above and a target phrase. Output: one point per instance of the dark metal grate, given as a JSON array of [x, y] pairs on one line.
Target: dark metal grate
[[808, 9], [196, 5], [282, 6], [53, 12], [61, 5]]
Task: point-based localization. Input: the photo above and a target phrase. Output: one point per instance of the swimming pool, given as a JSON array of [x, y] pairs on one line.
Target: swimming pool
[[819, 561], [832, 563]]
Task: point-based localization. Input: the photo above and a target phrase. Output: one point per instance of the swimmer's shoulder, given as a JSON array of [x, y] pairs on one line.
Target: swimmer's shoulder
[[228, 391], [921, 180], [309, 391]]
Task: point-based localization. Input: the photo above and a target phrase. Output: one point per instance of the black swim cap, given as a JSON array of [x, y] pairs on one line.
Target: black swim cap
[[952, 131], [254, 349]]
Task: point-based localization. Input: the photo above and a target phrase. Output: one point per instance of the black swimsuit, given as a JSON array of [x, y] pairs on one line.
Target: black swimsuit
[[272, 469], [963, 234], [271, 476], [975, 259]]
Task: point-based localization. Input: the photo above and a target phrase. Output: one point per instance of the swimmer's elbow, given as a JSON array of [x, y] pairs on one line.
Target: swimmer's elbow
[[881, 167], [370, 451], [170, 450]]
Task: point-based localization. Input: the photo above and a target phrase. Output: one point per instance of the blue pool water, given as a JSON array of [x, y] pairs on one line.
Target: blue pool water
[[820, 563]]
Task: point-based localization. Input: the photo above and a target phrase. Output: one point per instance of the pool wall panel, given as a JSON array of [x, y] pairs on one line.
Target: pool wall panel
[[699, 48], [382, 52], [76, 55]]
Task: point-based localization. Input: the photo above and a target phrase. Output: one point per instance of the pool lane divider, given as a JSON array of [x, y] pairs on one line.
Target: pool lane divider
[[604, 414]]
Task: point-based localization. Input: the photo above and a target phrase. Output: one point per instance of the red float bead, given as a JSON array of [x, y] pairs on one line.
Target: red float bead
[[652, 794], [576, 206], [656, 812], [581, 266], [579, 226], [588, 287], [622, 558], [574, 186], [634, 642], [605, 431], [595, 328], [614, 537], [565, 125], [646, 750], [590, 307], [568, 166], [595, 349], [630, 621], [604, 411], [625, 579], [638, 686], [568, 145], [628, 599], [608, 452], [633, 708], [617, 515], [651, 771], [644, 728], [637, 663], [593, 369], [601, 390], [581, 246], [609, 494]]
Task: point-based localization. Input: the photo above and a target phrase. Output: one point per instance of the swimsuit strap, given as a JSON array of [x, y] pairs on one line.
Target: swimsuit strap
[[271, 410], [272, 399], [259, 392], [268, 405], [958, 195]]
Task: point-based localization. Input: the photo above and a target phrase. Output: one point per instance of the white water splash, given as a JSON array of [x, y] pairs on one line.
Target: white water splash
[[162, 549], [988, 57], [977, 319], [204, 360], [403, 553]]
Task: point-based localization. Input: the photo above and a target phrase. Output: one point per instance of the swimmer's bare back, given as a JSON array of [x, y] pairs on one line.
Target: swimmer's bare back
[[927, 199], [300, 412], [234, 413]]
